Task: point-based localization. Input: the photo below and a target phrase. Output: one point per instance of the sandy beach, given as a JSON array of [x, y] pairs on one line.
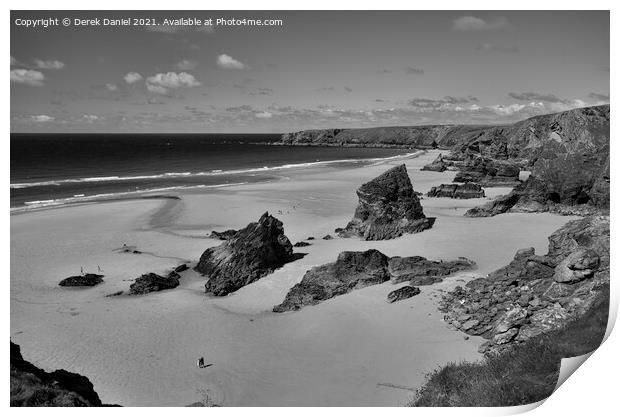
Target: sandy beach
[[352, 350]]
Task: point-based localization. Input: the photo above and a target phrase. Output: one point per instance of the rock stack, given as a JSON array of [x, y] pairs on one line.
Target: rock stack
[[388, 207], [247, 256], [438, 165]]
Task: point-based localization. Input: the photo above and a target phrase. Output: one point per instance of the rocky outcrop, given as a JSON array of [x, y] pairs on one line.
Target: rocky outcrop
[[488, 172], [421, 271], [438, 165], [225, 235], [534, 294], [536, 195], [351, 270], [34, 387], [249, 255], [354, 270], [579, 132], [152, 282], [461, 191], [301, 244], [402, 293], [86, 280], [388, 207]]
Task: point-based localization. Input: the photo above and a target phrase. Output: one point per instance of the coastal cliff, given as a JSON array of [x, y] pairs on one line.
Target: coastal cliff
[[34, 387], [578, 130]]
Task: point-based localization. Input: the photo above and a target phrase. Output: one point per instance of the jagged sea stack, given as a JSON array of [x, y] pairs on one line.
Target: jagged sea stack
[[245, 257], [388, 207]]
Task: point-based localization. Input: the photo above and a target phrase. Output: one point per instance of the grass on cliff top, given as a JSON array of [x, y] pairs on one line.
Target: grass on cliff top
[[526, 374]]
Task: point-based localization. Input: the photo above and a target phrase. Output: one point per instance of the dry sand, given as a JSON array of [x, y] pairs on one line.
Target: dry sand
[[142, 351]]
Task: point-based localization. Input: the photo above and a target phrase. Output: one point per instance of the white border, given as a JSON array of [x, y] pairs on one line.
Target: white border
[[591, 391]]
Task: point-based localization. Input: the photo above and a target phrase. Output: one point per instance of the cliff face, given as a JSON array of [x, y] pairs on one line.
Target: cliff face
[[577, 131], [33, 387], [431, 136]]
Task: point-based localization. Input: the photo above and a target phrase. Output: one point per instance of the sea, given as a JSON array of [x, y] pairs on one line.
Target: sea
[[60, 169]]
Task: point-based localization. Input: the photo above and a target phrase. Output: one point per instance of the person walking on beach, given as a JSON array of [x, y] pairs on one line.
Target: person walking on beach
[[201, 362]]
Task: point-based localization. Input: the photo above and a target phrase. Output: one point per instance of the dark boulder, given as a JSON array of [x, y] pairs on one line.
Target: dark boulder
[[351, 270], [402, 293], [388, 207], [328, 237], [461, 191], [253, 252], [86, 280], [152, 282]]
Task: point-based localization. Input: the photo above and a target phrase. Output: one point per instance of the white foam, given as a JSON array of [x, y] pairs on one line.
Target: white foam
[[216, 172]]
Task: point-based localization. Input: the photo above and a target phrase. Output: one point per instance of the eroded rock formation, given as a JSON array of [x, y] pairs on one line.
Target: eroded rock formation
[[152, 282], [438, 165], [388, 207], [488, 172], [353, 270], [421, 271], [249, 255], [350, 271], [462, 191], [534, 294]]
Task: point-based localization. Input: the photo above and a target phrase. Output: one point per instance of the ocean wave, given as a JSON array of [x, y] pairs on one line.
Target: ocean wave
[[215, 172], [81, 198]]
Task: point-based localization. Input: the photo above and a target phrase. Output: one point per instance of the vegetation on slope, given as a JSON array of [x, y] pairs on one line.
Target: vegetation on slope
[[525, 374]]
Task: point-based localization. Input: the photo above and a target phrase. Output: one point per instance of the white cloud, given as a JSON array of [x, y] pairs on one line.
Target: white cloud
[[187, 65], [228, 62], [41, 118], [132, 77], [29, 77], [156, 89], [472, 23], [264, 115], [51, 64], [111, 87], [163, 82], [90, 117]]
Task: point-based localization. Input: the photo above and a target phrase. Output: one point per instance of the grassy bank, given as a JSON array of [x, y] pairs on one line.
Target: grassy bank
[[526, 374]]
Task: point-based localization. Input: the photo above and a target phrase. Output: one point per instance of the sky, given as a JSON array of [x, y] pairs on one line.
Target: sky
[[314, 70]]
